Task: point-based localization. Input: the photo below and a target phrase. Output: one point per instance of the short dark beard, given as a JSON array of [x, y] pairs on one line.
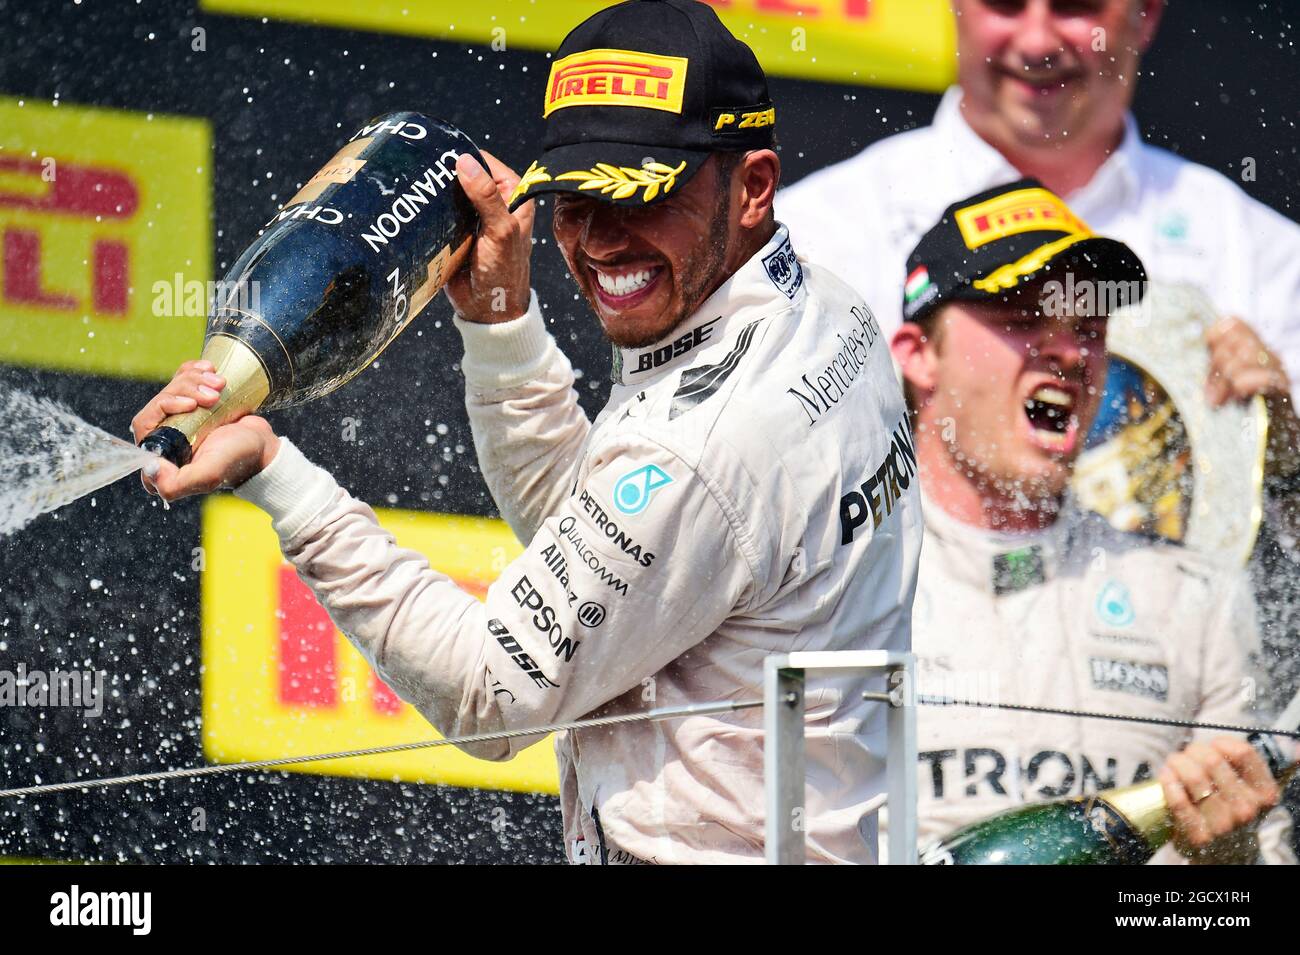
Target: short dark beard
[[703, 279], [700, 282]]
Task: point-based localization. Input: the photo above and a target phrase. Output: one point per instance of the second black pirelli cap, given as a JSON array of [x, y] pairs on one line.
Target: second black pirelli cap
[[638, 97], [996, 244]]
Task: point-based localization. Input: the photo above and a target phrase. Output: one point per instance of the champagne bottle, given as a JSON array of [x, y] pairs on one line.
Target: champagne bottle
[[336, 275], [1123, 826]]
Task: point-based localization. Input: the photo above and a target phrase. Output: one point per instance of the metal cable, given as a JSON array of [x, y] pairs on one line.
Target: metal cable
[[1157, 720], [663, 713]]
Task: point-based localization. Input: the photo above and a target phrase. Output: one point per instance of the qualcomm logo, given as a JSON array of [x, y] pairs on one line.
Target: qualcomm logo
[[633, 490], [1114, 608]]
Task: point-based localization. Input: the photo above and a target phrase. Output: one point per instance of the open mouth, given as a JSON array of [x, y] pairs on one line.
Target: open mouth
[[1053, 425], [624, 286]]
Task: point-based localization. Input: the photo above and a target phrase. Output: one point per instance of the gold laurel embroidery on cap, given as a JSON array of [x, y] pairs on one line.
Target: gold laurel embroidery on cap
[[622, 182], [532, 177], [1009, 276]]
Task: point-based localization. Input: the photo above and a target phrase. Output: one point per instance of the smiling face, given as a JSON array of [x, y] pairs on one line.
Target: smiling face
[[1007, 395], [1036, 72], [644, 269]]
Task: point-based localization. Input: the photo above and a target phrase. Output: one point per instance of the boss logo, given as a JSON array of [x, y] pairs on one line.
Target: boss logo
[[1125, 676]]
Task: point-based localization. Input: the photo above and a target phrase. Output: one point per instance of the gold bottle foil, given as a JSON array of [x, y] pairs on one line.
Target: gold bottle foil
[[1143, 806], [246, 388]]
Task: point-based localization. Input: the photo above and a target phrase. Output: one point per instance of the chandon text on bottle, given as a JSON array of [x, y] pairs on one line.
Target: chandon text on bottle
[[345, 266]]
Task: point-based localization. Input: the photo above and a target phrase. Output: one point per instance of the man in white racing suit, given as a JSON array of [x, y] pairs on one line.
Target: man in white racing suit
[[1022, 597], [711, 515]]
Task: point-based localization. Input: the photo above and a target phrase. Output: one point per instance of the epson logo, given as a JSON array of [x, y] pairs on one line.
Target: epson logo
[[1126, 676], [530, 598]]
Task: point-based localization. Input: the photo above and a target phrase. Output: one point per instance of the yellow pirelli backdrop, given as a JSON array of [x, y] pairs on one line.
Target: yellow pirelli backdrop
[[909, 44], [98, 210], [280, 680]]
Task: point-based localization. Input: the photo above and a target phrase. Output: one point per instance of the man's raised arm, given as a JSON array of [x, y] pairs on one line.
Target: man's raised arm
[[528, 428]]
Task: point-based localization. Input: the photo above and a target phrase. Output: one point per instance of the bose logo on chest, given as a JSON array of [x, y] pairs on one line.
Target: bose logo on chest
[[655, 357]]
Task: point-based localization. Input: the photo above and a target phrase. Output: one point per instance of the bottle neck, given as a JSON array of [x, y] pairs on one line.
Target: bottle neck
[[1143, 807], [1278, 753], [1143, 804]]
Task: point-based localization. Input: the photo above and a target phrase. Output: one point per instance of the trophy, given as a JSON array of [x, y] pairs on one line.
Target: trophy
[[1159, 460]]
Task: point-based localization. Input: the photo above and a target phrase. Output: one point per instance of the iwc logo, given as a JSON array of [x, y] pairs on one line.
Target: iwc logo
[[784, 270]]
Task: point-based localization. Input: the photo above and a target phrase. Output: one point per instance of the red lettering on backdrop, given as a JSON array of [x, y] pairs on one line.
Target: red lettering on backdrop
[[308, 670], [308, 667], [81, 191], [110, 276], [21, 273], [785, 6], [382, 698], [853, 9], [308, 644], [76, 190]]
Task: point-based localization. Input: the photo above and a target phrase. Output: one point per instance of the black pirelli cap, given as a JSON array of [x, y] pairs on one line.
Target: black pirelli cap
[[997, 243], [638, 97]]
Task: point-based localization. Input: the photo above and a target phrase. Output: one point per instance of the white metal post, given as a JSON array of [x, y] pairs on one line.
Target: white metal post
[[783, 761], [900, 765]]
